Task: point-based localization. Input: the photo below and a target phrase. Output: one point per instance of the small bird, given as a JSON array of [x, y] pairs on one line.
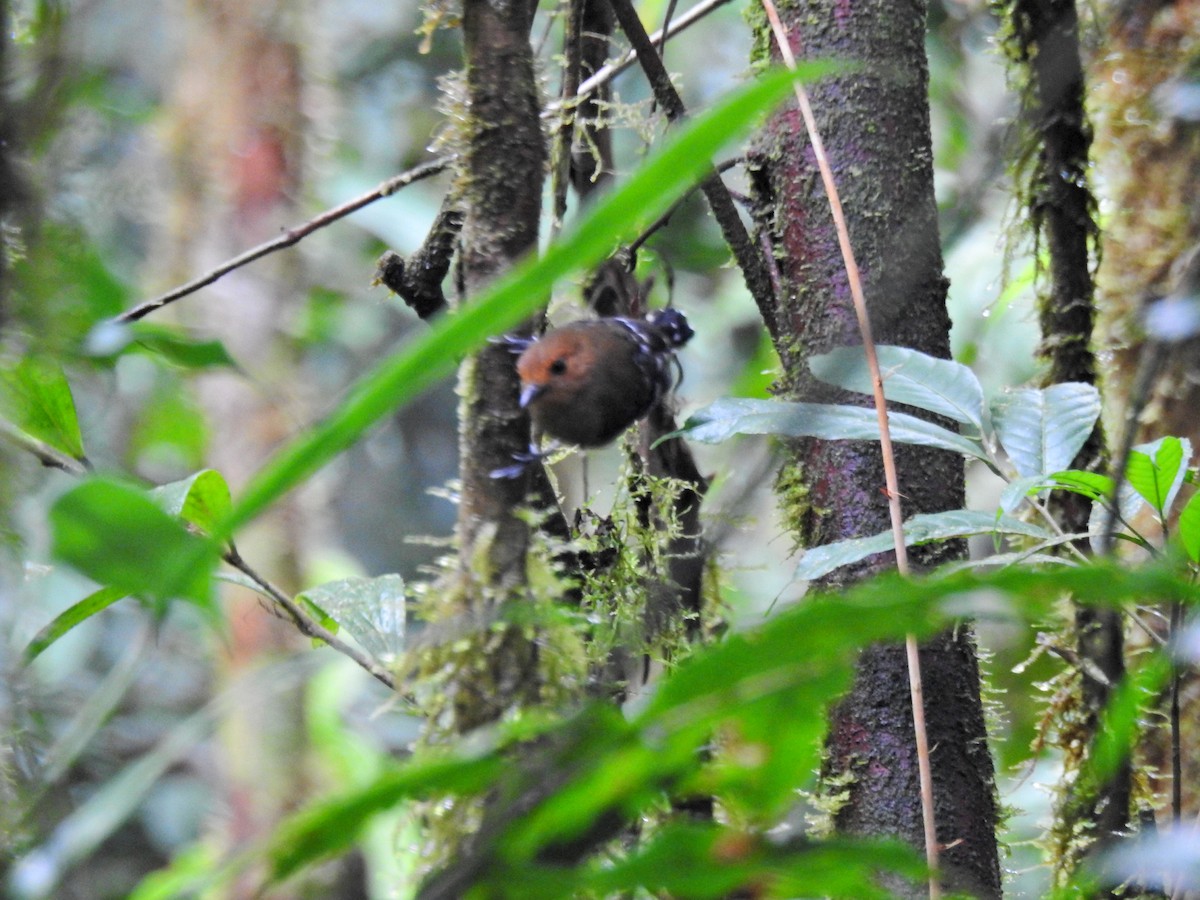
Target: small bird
[[587, 382]]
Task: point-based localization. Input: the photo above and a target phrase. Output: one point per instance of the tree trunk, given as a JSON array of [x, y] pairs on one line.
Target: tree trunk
[[875, 125], [502, 192]]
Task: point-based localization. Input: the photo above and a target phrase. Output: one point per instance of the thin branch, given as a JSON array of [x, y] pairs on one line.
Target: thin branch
[[307, 625], [613, 69], [661, 222], [885, 441], [289, 237], [745, 251], [564, 135]]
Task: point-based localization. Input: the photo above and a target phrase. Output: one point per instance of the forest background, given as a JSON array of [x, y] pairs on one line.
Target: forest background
[[147, 145]]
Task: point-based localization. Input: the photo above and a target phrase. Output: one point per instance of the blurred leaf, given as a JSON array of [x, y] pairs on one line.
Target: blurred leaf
[[1120, 723], [920, 529], [65, 287], [101, 813], [1155, 862], [35, 395], [940, 386], [682, 159], [332, 826], [201, 499], [179, 878], [116, 535], [708, 861], [1156, 471], [760, 371], [69, 618], [170, 429], [730, 416], [1189, 528], [1043, 430], [372, 610], [176, 346], [599, 764]]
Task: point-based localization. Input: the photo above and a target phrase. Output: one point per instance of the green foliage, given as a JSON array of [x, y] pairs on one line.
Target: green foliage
[[765, 692], [35, 396], [78, 612], [118, 536]]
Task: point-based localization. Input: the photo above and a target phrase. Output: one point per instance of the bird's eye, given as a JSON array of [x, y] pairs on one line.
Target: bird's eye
[[558, 366]]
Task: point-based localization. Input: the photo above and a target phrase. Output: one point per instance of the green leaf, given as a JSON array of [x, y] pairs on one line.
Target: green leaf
[[116, 535], [1156, 471], [1020, 488], [708, 861], [730, 416], [69, 618], [201, 499], [649, 192], [372, 610], [332, 826], [940, 386], [1043, 430], [920, 529], [35, 395], [180, 348], [1120, 722], [1189, 528], [1092, 485]]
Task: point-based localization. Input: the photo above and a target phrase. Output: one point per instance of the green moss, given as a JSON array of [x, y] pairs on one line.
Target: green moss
[[793, 494]]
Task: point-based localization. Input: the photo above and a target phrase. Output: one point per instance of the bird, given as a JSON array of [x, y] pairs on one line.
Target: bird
[[586, 382]]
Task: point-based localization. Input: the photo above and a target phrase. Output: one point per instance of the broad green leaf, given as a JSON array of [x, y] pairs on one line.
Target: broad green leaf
[[201, 499], [372, 610], [1156, 471], [1043, 430], [1189, 528], [920, 529], [940, 386], [69, 618], [116, 535], [35, 395], [684, 157], [730, 416]]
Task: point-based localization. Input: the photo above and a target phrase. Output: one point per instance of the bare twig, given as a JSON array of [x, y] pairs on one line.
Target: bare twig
[[289, 237], [612, 70], [885, 441], [745, 251], [307, 625]]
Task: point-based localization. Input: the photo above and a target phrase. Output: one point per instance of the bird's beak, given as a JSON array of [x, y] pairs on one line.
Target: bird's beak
[[531, 392]]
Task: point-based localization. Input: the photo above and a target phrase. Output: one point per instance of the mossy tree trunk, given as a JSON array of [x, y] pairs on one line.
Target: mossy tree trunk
[[875, 124], [503, 171]]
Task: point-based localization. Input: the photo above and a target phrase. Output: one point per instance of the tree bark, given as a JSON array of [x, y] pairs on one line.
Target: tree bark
[[875, 125], [502, 192]]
